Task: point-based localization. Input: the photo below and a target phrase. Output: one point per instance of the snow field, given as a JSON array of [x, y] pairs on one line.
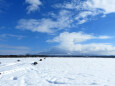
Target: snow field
[[57, 72]]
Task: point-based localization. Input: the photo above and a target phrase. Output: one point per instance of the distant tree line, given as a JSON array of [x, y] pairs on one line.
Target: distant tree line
[[79, 56], [22, 56]]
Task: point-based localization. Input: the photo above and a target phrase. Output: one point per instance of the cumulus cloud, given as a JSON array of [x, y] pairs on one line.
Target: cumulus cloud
[[73, 43], [67, 37], [46, 25], [76, 37], [33, 5]]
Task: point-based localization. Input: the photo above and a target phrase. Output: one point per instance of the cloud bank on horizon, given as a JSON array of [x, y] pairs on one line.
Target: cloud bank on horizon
[[61, 24], [72, 44]]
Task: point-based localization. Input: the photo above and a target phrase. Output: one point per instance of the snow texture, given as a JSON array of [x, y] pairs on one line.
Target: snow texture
[[57, 72]]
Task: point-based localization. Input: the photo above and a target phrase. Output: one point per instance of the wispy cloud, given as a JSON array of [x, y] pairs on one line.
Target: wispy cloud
[[106, 5], [105, 37], [70, 14], [72, 43], [47, 25], [19, 37], [85, 10], [13, 50], [84, 16], [33, 5]]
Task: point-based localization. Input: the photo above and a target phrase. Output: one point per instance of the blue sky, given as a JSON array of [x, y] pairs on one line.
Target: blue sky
[[81, 27]]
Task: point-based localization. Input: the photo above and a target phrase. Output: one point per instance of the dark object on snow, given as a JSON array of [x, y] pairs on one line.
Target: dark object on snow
[[15, 78], [44, 57], [40, 59], [0, 62], [0, 73], [35, 63], [18, 60]]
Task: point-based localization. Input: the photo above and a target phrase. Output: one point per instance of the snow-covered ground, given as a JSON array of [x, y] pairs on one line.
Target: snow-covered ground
[[57, 72]]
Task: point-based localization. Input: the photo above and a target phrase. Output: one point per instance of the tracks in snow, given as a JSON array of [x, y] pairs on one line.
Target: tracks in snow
[[55, 72]]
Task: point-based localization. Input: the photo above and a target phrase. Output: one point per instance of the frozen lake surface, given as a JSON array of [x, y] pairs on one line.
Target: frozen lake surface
[[57, 72]]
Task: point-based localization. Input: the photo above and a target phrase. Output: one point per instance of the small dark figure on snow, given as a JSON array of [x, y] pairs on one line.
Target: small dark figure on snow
[[35, 63], [18, 60], [0, 73], [40, 59]]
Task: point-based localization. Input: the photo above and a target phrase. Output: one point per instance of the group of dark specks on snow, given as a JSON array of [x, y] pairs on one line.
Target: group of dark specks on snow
[[34, 63]]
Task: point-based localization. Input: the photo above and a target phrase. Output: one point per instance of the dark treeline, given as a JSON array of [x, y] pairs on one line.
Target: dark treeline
[[75, 56], [22, 56]]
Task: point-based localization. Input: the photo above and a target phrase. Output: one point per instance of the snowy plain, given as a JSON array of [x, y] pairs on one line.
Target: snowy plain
[[57, 72]]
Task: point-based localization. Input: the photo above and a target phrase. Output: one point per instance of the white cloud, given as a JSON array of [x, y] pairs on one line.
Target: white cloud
[[43, 25], [95, 7], [108, 6], [33, 5], [86, 10], [75, 37], [81, 21], [72, 42], [34, 25], [47, 25], [91, 49], [72, 14], [84, 16], [104, 37], [67, 37], [66, 5]]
